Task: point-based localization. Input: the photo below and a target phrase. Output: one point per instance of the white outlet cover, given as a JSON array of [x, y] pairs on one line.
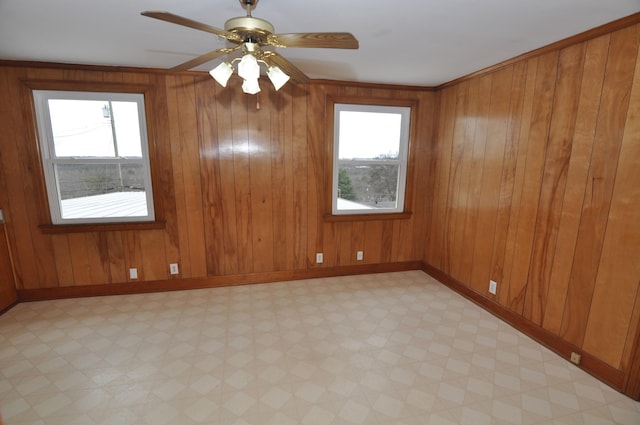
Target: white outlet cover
[[133, 273], [359, 255], [493, 287], [319, 258], [173, 268]]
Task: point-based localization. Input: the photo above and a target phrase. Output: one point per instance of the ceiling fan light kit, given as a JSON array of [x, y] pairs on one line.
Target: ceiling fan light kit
[[251, 35], [277, 77], [222, 73]]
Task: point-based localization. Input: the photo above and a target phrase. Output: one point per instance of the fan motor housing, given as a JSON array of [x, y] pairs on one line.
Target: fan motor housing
[[248, 26]]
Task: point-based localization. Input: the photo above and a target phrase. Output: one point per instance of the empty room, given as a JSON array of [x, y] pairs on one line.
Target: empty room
[[206, 218]]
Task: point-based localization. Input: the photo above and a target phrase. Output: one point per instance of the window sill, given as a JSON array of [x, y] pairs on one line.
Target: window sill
[[367, 217], [105, 227]]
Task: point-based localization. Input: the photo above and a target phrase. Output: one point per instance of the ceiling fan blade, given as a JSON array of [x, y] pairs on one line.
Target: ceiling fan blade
[[290, 69], [328, 40], [202, 59], [175, 19]]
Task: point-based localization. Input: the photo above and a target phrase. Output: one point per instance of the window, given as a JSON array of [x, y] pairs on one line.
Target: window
[[95, 156], [369, 158]]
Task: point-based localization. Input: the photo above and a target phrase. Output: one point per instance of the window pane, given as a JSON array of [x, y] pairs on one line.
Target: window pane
[[369, 135], [367, 186], [127, 125], [101, 190], [86, 128]]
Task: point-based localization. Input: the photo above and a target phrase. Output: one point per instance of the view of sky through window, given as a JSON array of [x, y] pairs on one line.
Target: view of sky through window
[[369, 135], [82, 128]]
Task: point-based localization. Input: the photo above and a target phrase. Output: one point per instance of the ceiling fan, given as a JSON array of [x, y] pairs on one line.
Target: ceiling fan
[[255, 39]]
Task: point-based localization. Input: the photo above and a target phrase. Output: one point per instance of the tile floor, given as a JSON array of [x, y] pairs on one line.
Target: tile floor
[[395, 348]]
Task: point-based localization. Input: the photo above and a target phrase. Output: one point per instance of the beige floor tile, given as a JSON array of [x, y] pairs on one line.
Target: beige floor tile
[[394, 348]]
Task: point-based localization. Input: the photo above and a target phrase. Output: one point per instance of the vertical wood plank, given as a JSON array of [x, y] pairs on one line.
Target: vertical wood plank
[[153, 256], [316, 176], [554, 179], [491, 177], [475, 176], [117, 265], [536, 151], [584, 133], [454, 208], [618, 278], [373, 245], [80, 259], [261, 185], [240, 103], [468, 129], [504, 287], [442, 150], [98, 258], [346, 252], [424, 175], [31, 266], [195, 263], [160, 140], [300, 182], [64, 263], [280, 178], [227, 180], [206, 107], [8, 295], [133, 253], [509, 174], [175, 143], [600, 181]]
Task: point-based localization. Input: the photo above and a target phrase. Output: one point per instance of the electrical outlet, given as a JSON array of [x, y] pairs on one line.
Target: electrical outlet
[[133, 273], [319, 258], [1, 216], [173, 268], [493, 287], [575, 358], [359, 255]]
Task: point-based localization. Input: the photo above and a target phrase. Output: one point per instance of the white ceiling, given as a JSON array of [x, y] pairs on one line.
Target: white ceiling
[[421, 43]]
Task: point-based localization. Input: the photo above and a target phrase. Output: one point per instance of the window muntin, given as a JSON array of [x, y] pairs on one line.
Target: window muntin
[[95, 156], [370, 158]]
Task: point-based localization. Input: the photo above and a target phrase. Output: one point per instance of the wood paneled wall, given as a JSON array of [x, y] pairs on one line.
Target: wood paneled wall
[[527, 175], [242, 190], [536, 185]]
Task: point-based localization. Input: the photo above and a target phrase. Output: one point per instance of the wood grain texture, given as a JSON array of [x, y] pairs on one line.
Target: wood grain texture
[[607, 333], [582, 146], [614, 104], [526, 175], [554, 178], [509, 177], [485, 236], [239, 190], [478, 144], [534, 167], [8, 294], [551, 207]]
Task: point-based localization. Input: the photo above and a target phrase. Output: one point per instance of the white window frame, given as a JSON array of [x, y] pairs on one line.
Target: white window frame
[[49, 159], [402, 161]]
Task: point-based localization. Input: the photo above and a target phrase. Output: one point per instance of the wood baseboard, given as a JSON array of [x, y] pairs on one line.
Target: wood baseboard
[[590, 364], [26, 295], [7, 308], [613, 377]]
